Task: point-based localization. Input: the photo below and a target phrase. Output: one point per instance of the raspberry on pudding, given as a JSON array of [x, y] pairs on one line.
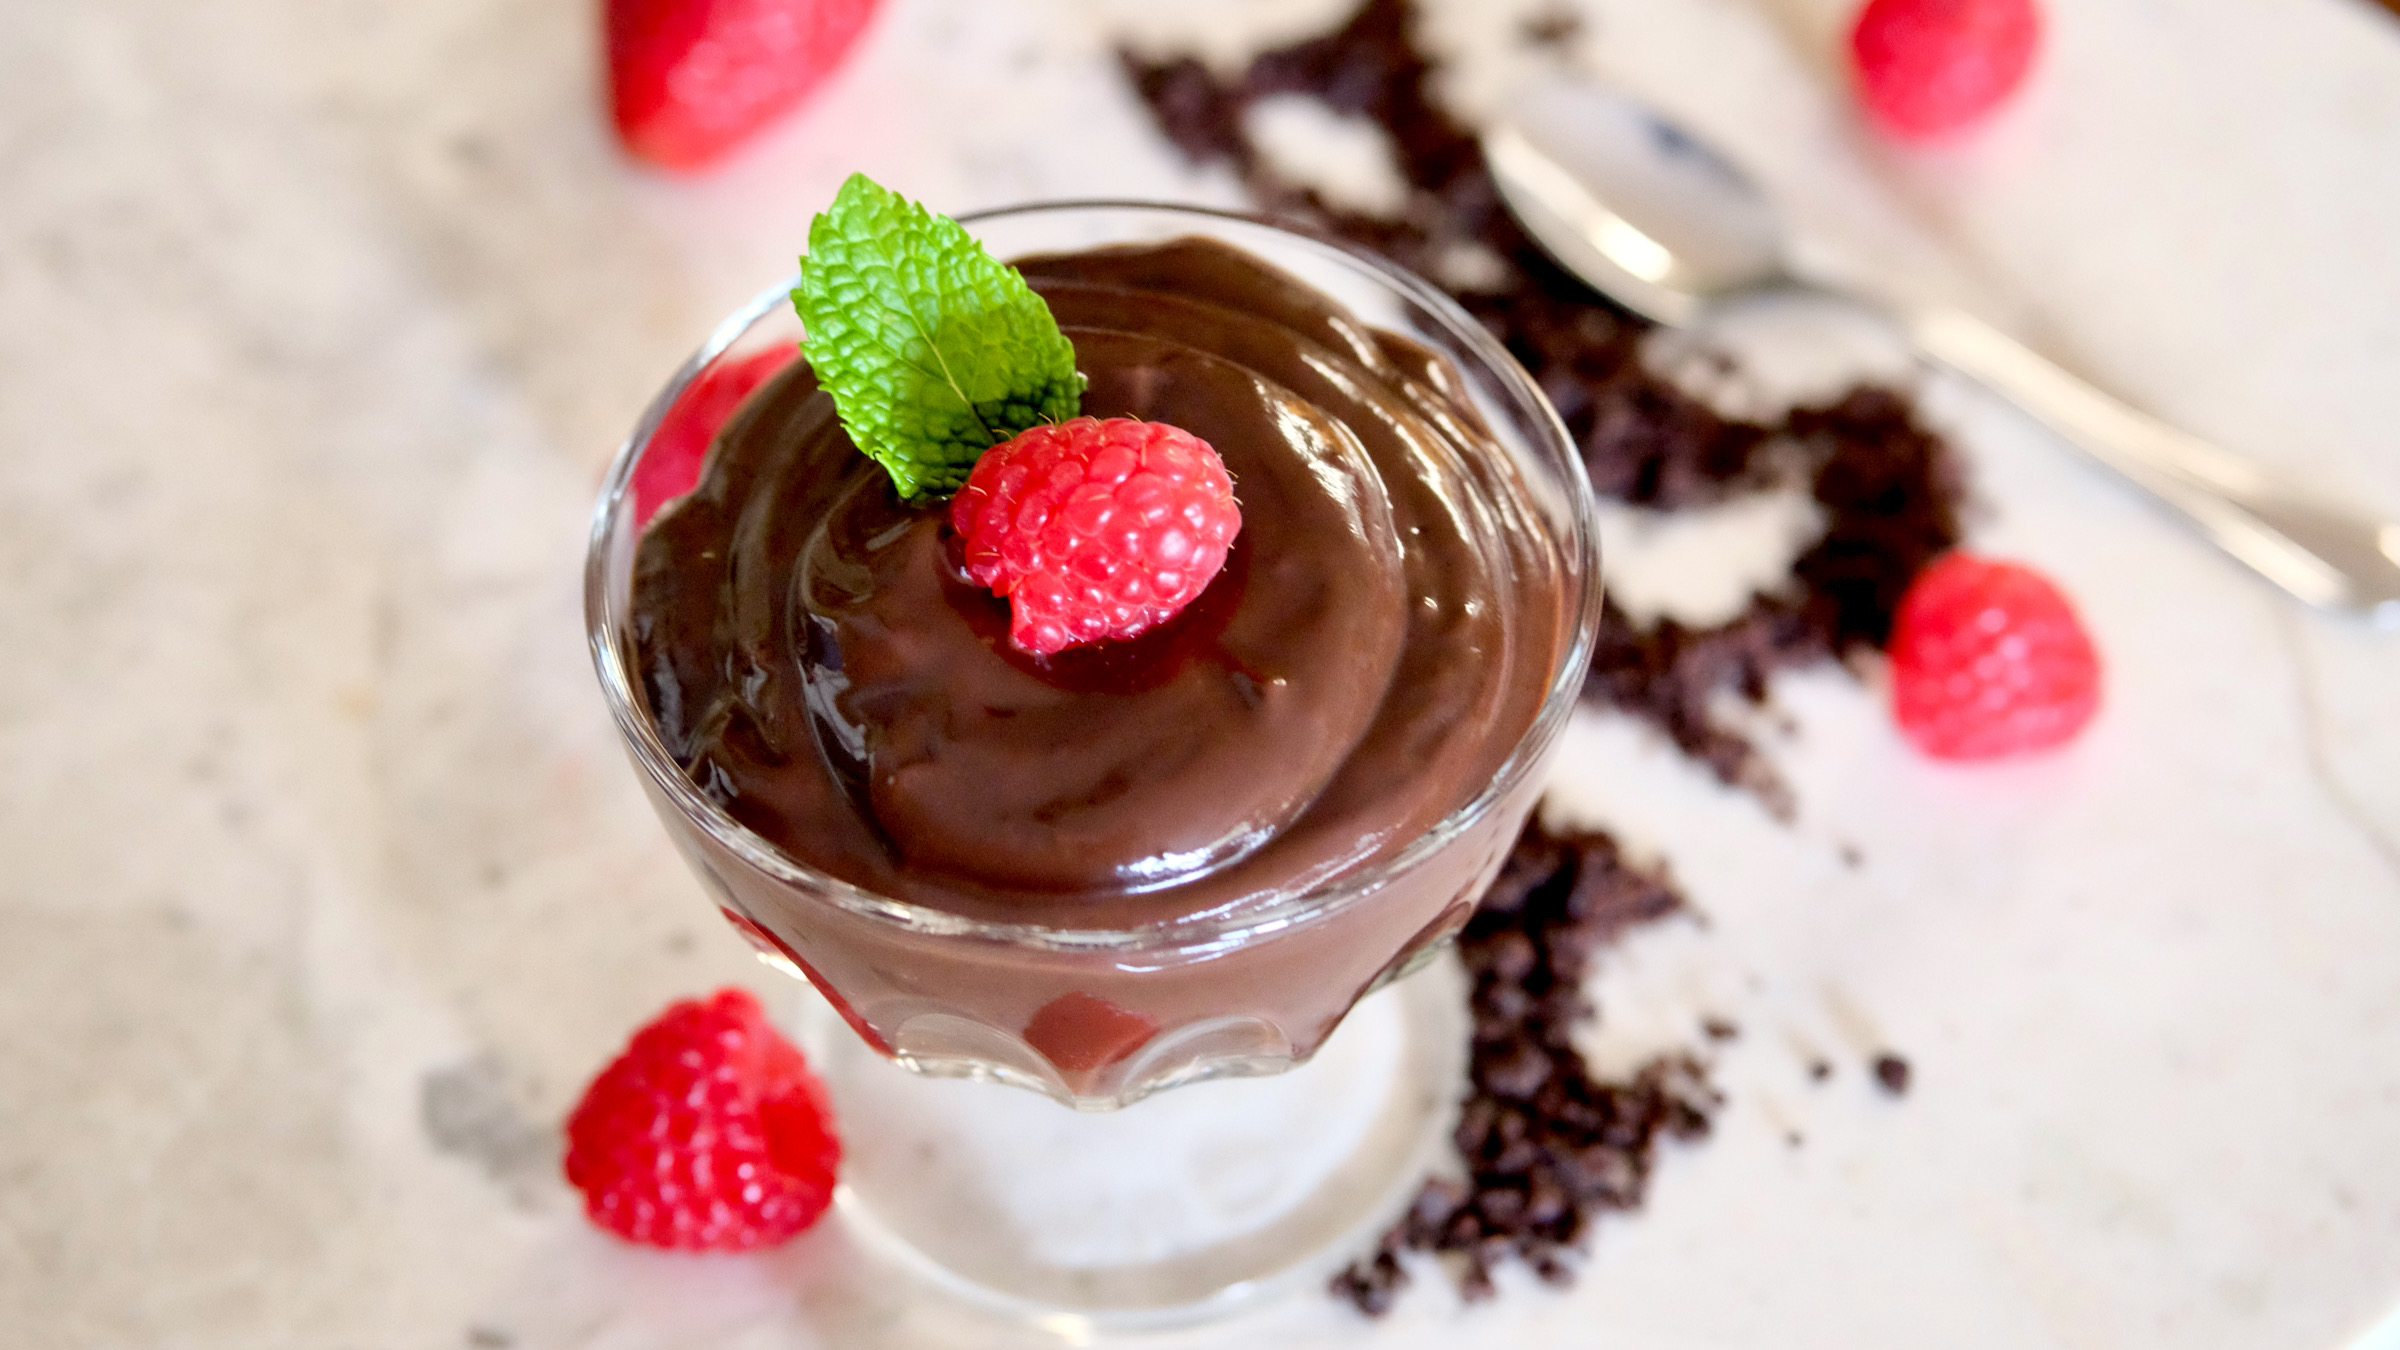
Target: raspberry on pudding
[[1096, 530]]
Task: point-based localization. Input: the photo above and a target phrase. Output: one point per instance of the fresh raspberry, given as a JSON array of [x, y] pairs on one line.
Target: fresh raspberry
[[1095, 530], [1927, 68], [1988, 659], [689, 79], [671, 465], [708, 1134]]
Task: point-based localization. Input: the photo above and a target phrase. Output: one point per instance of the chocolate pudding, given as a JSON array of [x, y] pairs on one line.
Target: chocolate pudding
[[1387, 628]]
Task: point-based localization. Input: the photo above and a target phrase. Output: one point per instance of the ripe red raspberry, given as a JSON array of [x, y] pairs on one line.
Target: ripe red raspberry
[[689, 79], [1988, 659], [1927, 68], [671, 465], [708, 1134], [1095, 530]]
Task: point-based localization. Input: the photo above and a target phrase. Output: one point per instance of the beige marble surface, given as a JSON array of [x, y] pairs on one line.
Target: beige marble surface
[[323, 885]]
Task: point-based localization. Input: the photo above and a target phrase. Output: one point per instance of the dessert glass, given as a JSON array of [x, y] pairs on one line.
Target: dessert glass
[[1098, 1018]]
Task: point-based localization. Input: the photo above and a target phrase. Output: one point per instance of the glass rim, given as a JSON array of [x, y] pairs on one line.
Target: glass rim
[[1196, 935]]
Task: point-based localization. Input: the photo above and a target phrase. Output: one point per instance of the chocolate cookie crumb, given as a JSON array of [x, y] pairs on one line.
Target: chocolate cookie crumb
[[1719, 1029], [1546, 1147], [1819, 1070], [1554, 27], [1890, 489], [1372, 1285], [1892, 1072]]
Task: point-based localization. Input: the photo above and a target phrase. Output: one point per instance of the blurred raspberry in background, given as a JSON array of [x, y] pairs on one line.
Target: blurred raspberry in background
[[1926, 69], [691, 79]]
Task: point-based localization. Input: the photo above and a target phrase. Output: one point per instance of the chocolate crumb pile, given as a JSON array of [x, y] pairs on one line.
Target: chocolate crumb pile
[[1547, 1147], [1890, 490]]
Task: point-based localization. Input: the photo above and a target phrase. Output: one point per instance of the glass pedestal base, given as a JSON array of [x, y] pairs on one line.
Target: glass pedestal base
[[1179, 1209]]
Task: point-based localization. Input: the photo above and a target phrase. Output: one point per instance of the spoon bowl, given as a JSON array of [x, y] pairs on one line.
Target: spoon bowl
[[1612, 189]]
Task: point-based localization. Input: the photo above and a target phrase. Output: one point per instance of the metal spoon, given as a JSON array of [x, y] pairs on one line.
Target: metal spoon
[[1668, 227]]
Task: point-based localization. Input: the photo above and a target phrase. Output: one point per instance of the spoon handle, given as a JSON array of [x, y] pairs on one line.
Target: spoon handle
[[2326, 555]]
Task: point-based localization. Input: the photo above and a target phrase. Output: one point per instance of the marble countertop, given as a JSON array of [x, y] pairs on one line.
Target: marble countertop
[[324, 886]]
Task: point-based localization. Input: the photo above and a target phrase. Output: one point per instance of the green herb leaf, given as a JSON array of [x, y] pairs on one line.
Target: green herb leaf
[[934, 351]]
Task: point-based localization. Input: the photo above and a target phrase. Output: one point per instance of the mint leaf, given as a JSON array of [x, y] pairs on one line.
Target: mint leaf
[[934, 351]]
